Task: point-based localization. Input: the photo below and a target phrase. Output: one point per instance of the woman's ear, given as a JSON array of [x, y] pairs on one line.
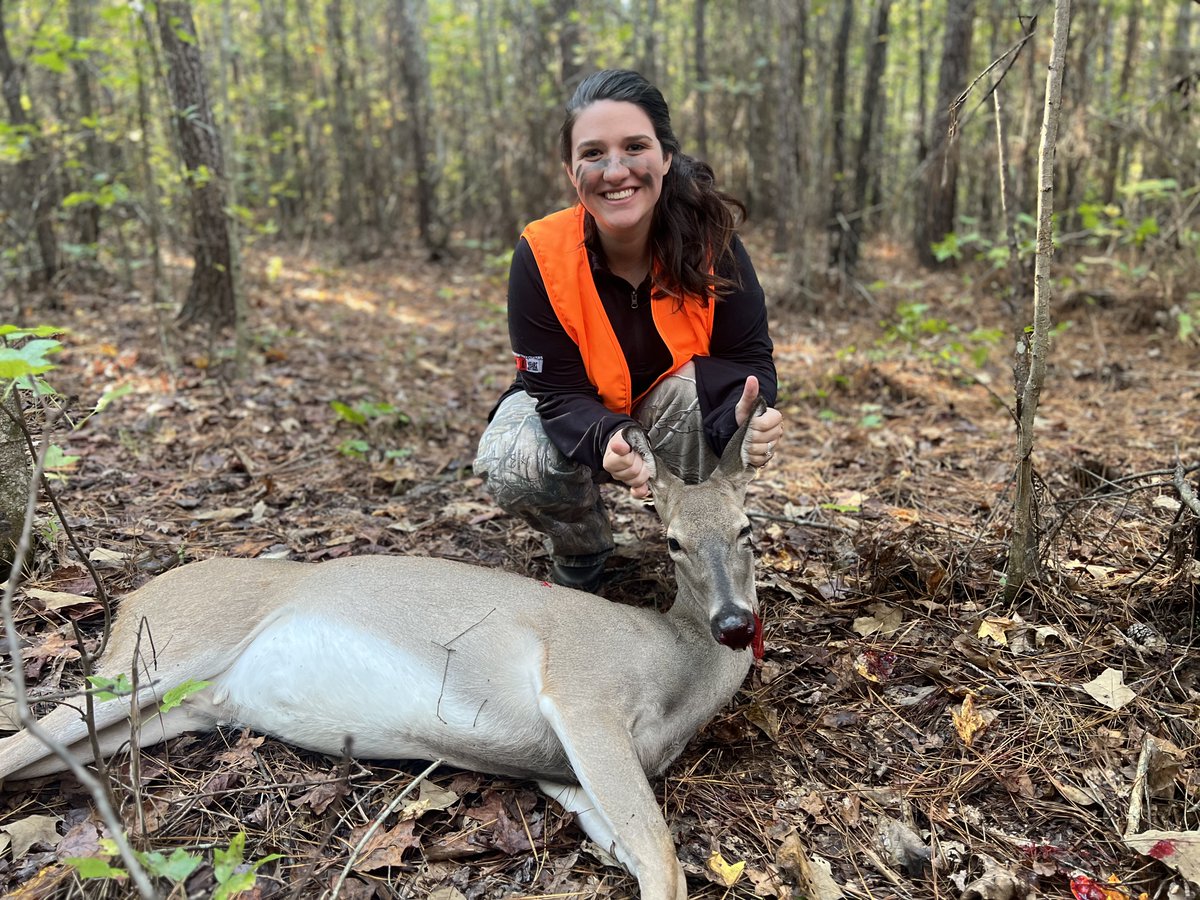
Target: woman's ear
[[667, 157], [570, 175]]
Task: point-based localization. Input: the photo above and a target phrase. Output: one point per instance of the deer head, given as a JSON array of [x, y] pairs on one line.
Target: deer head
[[709, 538]]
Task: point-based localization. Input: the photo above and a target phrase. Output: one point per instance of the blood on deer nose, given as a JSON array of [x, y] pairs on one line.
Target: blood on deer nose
[[733, 626]]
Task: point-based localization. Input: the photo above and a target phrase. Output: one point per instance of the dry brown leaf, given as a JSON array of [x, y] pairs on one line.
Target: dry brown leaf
[[386, 848], [447, 893], [903, 847], [9, 715], [969, 721], [32, 830], [241, 755], [104, 558], [82, 840], [53, 646], [431, 798], [884, 620], [765, 718], [1109, 689], [995, 883], [224, 514], [724, 873], [813, 873], [767, 883], [995, 628], [1071, 793], [1165, 765], [816, 879], [1178, 849], [320, 796], [58, 599], [507, 816], [791, 853]]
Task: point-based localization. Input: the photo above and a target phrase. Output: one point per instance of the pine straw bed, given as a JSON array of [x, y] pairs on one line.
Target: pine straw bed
[[908, 726]]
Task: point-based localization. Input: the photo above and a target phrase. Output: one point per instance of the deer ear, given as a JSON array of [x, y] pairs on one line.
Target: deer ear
[[636, 438], [735, 461]]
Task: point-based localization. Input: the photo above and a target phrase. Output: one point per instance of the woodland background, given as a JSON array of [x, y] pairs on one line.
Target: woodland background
[[277, 235]]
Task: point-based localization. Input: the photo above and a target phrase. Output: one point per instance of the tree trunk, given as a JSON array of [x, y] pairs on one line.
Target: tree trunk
[[1175, 154], [348, 217], [503, 224], [790, 163], [759, 157], [1117, 130], [33, 173], [15, 471], [419, 105], [700, 61], [876, 61], [836, 224], [648, 64], [87, 214], [313, 177], [570, 72], [1023, 557], [935, 216], [922, 141], [154, 224], [280, 122], [211, 295], [1077, 80]]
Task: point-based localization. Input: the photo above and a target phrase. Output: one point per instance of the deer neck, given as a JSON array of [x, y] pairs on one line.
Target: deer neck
[[689, 616]]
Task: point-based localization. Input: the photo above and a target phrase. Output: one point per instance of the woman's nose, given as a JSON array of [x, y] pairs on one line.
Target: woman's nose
[[616, 169]]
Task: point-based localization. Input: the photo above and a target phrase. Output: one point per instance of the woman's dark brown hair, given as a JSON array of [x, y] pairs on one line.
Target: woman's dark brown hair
[[691, 235]]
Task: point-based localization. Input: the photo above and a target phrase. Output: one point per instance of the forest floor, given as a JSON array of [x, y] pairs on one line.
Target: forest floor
[[907, 727]]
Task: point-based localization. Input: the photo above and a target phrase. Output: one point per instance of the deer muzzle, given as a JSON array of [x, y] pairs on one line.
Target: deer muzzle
[[734, 626]]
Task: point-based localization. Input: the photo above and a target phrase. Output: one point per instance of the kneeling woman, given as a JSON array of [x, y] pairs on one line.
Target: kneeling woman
[[639, 304]]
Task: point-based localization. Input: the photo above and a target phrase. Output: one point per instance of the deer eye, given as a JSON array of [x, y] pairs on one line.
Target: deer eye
[[747, 532], [673, 545]]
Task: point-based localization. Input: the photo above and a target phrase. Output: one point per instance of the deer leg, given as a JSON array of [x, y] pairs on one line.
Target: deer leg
[[614, 802], [574, 799], [24, 756]]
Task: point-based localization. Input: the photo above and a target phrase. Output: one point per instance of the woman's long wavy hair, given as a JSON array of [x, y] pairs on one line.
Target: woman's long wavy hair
[[691, 235]]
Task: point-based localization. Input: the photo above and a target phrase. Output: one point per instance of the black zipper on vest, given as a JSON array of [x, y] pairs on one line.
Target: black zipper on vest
[[633, 301]]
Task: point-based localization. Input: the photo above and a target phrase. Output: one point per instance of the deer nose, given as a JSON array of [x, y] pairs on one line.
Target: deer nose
[[733, 626]]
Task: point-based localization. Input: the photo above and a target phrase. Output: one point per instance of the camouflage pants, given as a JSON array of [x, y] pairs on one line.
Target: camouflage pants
[[531, 478]]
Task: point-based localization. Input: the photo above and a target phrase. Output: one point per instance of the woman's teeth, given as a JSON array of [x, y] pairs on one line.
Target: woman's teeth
[[619, 195]]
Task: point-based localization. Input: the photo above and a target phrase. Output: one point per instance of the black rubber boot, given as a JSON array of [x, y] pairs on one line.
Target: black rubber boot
[[582, 578]]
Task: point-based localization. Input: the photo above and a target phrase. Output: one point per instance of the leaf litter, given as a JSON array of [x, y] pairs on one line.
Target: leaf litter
[[909, 734]]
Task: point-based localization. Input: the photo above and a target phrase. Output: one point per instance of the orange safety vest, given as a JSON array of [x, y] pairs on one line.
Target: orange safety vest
[[562, 259]]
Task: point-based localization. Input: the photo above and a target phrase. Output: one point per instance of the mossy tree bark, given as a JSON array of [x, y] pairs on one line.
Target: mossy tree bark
[[14, 480]]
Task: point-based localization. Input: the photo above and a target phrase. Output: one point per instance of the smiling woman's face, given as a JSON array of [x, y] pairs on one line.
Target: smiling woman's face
[[617, 167]]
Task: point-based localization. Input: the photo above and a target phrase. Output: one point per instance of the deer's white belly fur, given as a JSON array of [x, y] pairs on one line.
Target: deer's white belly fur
[[314, 681]]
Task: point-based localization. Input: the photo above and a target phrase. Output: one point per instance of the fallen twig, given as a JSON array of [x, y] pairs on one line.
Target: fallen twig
[[1186, 493]]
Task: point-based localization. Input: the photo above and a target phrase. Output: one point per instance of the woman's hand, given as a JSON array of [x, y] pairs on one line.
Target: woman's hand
[[765, 430], [626, 465]]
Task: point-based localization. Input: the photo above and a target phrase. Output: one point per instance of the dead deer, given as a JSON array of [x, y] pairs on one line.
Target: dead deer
[[420, 658]]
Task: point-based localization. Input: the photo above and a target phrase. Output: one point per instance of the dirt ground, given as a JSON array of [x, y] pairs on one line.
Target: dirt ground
[[909, 734]]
